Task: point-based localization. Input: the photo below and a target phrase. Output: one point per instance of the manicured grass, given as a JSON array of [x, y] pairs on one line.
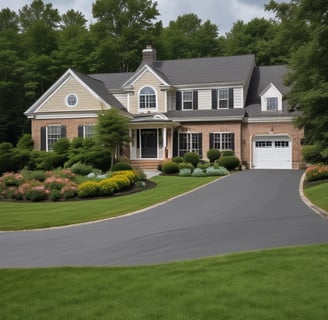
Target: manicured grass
[[279, 284], [19, 216], [318, 194]]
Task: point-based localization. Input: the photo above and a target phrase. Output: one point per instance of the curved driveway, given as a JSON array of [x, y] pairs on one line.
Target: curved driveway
[[250, 210]]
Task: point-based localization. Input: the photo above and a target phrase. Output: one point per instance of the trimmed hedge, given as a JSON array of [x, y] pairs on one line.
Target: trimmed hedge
[[192, 157], [312, 154], [170, 167], [213, 155], [119, 166], [229, 162]]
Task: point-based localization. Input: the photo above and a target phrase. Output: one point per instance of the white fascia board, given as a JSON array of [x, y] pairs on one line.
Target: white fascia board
[[217, 85], [270, 85], [209, 119], [140, 73], [65, 116], [269, 119]]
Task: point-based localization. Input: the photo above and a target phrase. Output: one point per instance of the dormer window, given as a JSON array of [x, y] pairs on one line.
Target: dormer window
[[147, 99], [271, 98], [272, 104]]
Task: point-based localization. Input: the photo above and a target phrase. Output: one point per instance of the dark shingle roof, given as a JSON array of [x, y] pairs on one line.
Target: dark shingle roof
[[206, 70], [206, 114], [99, 88], [112, 80], [262, 77]]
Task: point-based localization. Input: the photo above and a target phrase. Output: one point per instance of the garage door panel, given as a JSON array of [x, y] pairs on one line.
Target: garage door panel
[[272, 153]]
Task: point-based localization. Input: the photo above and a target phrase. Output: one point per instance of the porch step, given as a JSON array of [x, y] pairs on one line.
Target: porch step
[[145, 164]]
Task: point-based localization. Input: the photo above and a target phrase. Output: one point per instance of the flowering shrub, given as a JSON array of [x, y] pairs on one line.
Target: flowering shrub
[[107, 187], [56, 183], [69, 191], [12, 179], [316, 172]]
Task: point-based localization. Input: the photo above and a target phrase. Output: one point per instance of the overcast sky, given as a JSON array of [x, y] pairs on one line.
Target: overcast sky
[[221, 12]]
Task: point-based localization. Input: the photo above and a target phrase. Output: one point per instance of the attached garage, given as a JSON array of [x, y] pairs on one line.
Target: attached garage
[[272, 152]]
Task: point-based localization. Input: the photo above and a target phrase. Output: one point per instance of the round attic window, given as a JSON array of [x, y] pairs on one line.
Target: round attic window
[[71, 100]]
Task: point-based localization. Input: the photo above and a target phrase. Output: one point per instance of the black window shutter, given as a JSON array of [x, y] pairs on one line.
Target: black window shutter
[[211, 140], [175, 143], [214, 98], [232, 141], [231, 98], [195, 99], [63, 131], [43, 138], [200, 139], [80, 131], [178, 100]]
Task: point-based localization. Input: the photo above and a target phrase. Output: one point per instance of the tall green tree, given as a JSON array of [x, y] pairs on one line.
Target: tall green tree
[[308, 77], [112, 131], [123, 29], [188, 37]]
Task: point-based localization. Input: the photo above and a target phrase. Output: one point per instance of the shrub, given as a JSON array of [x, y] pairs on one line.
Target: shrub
[[170, 167], [55, 195], [38, 194], [213, 154], [185, 172], [203, 166], [229, 162], [69, 191], [191, 157], [122, 181], [130, 174], [88, 189], [81, 168], [39, 175], [227, 153], [61, 146], [9, 193], [52, 183], [107, 187], [198, 173], [25, 142], [316, 172], [12, 179], [119, 166], [186, 165], [159, 167], [177, 159], [312, 153], [220, 171]]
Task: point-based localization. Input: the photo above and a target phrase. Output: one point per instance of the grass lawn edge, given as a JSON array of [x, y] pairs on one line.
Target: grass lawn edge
[[321, 212], [118, 216]]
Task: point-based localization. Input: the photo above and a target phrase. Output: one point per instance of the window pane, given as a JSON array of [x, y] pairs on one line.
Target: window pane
[[147, 98], [54, 134], [89, 131], [223, 98], [272, 104], [226, 141], [187, 100]]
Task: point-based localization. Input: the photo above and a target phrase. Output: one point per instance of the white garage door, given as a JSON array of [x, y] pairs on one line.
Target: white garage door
[[272, 152]]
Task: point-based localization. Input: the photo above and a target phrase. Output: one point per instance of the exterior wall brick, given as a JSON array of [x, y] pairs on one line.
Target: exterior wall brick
[[71, 128], [208, 127]]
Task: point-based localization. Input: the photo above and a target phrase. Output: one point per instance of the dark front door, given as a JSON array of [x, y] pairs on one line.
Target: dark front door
[[149, 143]]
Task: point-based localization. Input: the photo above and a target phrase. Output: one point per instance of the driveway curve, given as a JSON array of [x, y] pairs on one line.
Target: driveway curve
[[250, 210]]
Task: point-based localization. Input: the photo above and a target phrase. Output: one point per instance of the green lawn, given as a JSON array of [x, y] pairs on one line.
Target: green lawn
[[18, 215], [277, 284], [318, 194]]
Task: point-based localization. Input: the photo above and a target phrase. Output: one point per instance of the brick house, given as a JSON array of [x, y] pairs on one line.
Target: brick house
[[175, 106]]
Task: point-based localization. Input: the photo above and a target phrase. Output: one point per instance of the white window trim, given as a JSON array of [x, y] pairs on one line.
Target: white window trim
[[70, 105], [221, 133], [189, 149], [271, 91], [221, 89], [156, 99], [183, 100], [47, 135]]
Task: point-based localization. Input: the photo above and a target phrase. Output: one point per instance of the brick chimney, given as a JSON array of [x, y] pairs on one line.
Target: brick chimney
[[149, 54]]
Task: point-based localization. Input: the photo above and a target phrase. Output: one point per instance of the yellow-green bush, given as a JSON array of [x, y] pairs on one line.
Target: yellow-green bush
[[107, 187], [122, 181], [130, 174], [88, 189]]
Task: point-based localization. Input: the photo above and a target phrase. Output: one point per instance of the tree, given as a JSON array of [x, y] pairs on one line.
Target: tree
[[188, 37], [123, 29], [112, 131], [308, 77]]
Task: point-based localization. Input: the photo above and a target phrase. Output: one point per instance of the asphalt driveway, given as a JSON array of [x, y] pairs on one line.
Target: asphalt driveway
[[249, 210]]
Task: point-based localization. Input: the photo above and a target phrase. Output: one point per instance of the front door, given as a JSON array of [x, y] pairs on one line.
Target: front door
[[149, 143]]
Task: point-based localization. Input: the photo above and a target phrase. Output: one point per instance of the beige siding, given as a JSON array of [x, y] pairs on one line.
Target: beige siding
[[123, 98], [147, 79], [204, 99], [238, 97], [86, 101]]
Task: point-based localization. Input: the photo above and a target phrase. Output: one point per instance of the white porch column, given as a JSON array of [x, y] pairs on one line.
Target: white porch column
[[164, 142]]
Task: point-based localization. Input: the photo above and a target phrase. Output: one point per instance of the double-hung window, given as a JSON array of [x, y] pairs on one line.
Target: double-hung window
[[222, 141], [54, 133], [272, 104], [190, 142], [147, 99], [86, 131], [187, 100], [223, 98]]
